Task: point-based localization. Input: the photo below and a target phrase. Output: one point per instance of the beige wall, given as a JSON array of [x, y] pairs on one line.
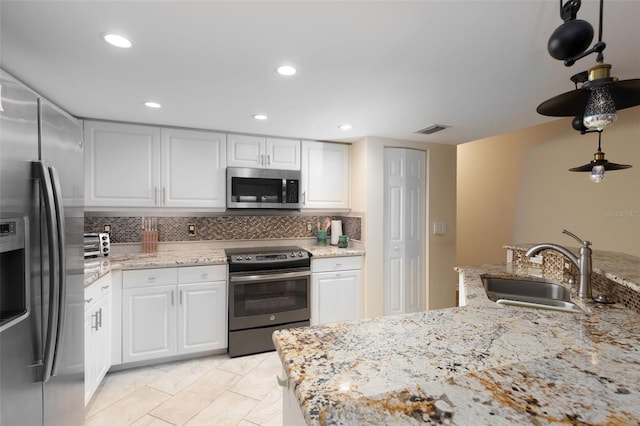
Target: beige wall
[[516, 188], [367, 196]]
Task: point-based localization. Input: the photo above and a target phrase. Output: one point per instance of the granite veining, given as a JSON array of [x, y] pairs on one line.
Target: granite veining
[[185, 255], [483, 363], [161, 259]]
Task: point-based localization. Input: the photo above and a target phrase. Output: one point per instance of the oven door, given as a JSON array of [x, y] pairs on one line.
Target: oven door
[[268, 298]]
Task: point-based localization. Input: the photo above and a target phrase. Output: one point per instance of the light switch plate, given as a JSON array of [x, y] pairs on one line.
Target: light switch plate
[[439, 228], [192, 230]]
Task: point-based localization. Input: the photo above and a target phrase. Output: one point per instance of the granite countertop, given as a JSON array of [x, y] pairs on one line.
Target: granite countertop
[[97, 267], [186, 256], [479, 364]]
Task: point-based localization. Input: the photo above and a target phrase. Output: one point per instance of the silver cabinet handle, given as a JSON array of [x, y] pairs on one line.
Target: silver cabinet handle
[[172, 301], [100, 318], [94, 317], [104, 287], [155, 195], [304, 197], [181, 291], [268, 160], [164, 195], [88, 300]]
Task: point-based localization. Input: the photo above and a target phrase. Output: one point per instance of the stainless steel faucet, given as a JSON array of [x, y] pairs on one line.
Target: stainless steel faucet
[[583, 263]]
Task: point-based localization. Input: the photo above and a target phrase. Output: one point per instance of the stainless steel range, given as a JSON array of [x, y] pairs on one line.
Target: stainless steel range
[[269, 289]]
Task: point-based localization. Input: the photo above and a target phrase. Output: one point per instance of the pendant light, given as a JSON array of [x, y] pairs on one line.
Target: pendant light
[[599, 164], [601, 95]]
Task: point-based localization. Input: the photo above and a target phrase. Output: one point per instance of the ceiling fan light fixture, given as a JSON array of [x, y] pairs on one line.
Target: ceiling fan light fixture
[[599, 165], [601, 109]]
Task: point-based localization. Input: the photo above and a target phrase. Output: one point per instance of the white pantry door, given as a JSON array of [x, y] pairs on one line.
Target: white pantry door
[[404, 231]]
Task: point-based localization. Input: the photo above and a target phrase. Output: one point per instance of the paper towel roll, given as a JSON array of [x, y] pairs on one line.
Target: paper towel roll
[[336, 231]]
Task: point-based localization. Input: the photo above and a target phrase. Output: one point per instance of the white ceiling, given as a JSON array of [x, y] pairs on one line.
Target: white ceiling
[[389, 68]]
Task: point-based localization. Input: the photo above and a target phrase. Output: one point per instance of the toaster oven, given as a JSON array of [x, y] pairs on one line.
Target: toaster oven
[[96, 244]]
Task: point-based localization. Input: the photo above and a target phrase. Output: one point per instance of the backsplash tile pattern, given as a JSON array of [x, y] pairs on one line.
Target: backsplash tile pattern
[[127, 229], [553, 268]]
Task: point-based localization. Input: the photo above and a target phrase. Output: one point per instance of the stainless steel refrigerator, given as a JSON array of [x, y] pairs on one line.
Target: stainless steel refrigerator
[[41, 261]]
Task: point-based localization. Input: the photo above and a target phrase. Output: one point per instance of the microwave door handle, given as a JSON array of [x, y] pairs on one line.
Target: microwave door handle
[[284, 191], [52, 239], [62, 271]]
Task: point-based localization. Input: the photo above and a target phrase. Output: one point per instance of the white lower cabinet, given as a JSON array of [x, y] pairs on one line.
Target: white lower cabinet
[[202, 304], [97, 334], [336, 289], [173, 311]]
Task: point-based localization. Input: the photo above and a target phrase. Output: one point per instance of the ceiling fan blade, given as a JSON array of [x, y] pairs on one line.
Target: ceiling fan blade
[[625, 93]]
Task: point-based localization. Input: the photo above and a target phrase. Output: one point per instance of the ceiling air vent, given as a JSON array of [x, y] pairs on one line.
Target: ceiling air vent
[[432, 129]]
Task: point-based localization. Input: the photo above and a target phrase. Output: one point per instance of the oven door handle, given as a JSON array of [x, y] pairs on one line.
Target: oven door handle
[[268, 277]]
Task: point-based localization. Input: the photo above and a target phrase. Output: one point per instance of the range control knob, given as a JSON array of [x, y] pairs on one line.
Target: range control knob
[[248, 257], [238, 257], [293, 254], [300, 254]]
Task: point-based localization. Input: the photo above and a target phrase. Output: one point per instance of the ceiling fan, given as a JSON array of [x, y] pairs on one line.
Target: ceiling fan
[[595, 102]]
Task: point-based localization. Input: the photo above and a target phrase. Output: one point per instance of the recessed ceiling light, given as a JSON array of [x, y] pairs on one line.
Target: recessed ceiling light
[[345, 126], [260, 116], [151, 104], [117, 40], [286, 70]]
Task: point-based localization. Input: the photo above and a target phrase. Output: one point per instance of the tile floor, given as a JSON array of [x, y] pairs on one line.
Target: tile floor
[[214, 390]]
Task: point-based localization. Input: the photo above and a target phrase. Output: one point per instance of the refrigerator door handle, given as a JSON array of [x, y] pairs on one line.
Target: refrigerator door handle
[[62, 270], [41, 172]]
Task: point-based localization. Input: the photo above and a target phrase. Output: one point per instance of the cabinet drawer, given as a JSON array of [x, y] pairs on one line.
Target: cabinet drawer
[[201, 274], [149, 277], [330, 264], [96, 290]]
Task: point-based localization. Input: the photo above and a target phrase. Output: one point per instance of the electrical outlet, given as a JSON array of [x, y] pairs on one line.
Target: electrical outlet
[[192, 230], [107, 228], [309, 226]]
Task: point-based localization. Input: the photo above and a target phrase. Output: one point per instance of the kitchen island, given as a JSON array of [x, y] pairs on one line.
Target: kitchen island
[[479, 364]]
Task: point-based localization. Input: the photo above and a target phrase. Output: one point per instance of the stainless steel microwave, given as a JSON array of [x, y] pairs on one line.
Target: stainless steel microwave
[[249, 188]]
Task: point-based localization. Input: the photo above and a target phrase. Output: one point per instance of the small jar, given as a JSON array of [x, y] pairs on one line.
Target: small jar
[[322, 238], [343, 241]]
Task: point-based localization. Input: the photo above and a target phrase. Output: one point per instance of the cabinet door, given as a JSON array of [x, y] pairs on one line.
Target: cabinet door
[[245, 151], [202, 317], [121, 165], [283, 154], [325, 175], [336, 296], [102, 342], [89, 360], [193, 168], [148, 323]]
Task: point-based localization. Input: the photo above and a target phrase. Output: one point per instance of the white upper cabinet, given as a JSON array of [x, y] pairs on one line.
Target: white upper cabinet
[[325, 175], [261, 152], [193, 168], [129, 165], [122, 165]]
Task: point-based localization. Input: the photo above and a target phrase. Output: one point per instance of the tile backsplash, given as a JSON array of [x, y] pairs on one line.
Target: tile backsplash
[[553, 267], [128, 229]]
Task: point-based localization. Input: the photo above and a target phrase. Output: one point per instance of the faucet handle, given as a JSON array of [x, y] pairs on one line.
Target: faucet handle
[[585, 243]]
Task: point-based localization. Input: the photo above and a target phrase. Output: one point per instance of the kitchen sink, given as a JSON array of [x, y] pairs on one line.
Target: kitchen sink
[[529, 293]]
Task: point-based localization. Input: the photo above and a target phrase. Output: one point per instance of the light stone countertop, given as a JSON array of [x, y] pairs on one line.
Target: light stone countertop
[[480, 364], [186, 255]]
